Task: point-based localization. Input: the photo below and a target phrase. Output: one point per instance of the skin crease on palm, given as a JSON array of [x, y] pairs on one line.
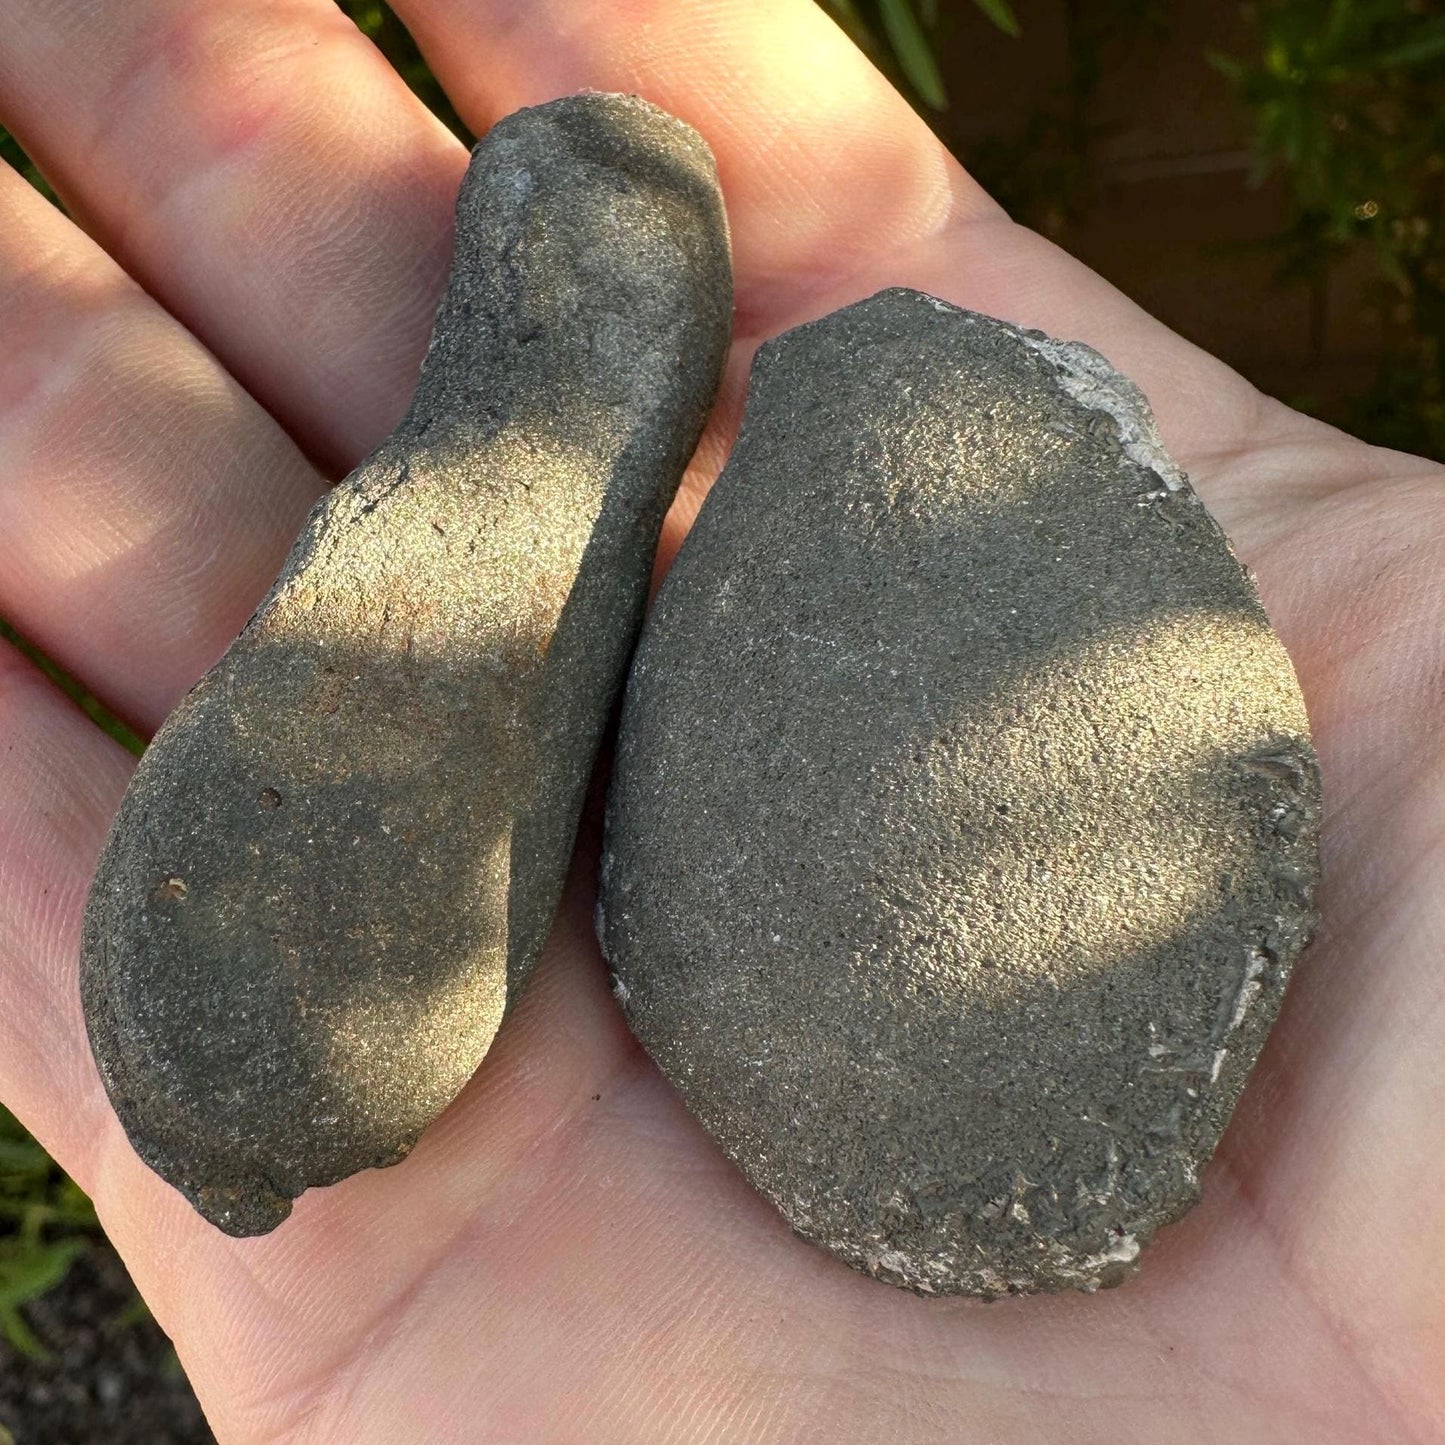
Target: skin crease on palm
[[566, 1257]]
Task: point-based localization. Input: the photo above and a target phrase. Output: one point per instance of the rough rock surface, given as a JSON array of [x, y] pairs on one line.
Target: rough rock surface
[[963, 828], [339, 858]]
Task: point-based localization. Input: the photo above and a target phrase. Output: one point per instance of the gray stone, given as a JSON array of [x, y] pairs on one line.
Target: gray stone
[[339, 859], [963, 826]]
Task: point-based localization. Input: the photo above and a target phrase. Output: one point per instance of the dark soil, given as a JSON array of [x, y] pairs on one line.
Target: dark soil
[[111, 1379]]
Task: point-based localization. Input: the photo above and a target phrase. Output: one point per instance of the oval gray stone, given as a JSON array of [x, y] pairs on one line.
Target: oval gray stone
[[339, 858], [964, 820]]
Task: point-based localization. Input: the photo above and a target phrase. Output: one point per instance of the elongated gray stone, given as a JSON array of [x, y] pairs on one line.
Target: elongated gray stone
[[338, 860], [963, 827]]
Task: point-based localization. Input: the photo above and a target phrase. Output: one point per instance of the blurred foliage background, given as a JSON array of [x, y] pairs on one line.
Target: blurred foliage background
[[1347, 101], [1340, 106], [45, 1222]]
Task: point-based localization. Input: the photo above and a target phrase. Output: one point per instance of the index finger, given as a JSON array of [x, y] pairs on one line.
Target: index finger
[[823, 163]]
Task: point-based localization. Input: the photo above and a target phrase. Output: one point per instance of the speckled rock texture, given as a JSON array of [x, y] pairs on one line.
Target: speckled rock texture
[[964, 822], [339, 859]]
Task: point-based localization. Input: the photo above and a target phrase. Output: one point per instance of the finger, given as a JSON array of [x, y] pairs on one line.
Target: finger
[[823, 163], [265, 174], [61, 779], [146, 500]]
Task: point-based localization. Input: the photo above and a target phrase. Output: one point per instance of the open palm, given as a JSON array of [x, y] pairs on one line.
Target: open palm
[[566, 1256]]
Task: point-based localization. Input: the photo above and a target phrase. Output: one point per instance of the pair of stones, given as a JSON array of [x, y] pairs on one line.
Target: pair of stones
[[964, 816]]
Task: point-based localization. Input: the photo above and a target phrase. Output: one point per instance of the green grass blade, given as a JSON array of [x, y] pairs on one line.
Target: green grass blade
[[20, 1337], [91, 706], [22, 1157], [1002, 15], [37, 1271], [911, 47], [1428, 45]]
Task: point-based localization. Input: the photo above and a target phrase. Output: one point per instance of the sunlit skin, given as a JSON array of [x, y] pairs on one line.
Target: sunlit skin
[[566, 1257]]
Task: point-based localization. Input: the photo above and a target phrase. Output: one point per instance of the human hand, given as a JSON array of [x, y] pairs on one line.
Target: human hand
[[566, 1256]]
